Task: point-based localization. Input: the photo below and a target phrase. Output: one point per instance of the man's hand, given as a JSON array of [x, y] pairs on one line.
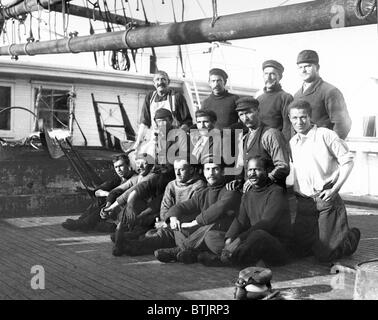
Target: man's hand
[[233, 185], [107, 211], [189, 224], [101, 193], [231, 245], [228, 249], [184, 127], [247, 185], [160, 224], [174, 223], [130, 217], [327, 195]]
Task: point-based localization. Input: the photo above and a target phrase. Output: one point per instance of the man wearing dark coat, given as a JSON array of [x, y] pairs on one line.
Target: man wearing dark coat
[[329, 109]]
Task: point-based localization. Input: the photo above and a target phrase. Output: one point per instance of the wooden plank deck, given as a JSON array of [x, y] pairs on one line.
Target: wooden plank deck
[[80, 266]]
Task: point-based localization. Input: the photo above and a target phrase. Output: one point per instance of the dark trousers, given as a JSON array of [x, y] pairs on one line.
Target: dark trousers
[[163, 238], [195, 240], [260, 245], [320, 228]]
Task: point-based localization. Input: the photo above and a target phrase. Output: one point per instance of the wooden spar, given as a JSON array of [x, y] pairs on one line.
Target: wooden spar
[[13, 11], [97, 15], [26, 6], [301, 17]]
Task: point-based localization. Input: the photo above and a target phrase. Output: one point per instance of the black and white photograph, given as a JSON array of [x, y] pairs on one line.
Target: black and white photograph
[[187, 154]]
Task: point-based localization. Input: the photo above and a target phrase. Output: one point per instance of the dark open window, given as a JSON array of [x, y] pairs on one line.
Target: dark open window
[[5, 101], [52, 107]]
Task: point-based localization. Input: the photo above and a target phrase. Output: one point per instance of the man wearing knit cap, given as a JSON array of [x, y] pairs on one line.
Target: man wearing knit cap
[[327, 102], [274, 100], [220, 100], [261, 140]]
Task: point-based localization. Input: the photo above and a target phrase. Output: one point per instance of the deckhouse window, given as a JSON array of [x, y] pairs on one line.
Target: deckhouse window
[[5, 101], [52, 107]]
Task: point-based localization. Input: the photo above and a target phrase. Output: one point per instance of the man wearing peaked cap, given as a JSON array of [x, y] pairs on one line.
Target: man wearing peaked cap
[[220, 100], [260, 140], [329, 109], [274, 100], [246, 103]]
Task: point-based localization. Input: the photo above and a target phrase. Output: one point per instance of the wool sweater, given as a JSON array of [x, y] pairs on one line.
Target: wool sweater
[[265, 208], [273, 109], [224, 107], [177, 192], [214, 204]]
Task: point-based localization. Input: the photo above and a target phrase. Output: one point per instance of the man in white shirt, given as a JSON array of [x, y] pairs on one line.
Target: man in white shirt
[[322, 162]]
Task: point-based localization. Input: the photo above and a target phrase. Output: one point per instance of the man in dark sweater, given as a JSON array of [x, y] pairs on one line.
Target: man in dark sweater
[[329, 109], [274, 101], [262, 230], [220, 100], [198, 223], [106, 194]]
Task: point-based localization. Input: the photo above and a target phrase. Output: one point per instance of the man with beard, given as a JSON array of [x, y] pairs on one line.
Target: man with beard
[[106, 194], [162, 98], [262, 230], [274, 101], [260, 140], [220, 100], [196, 224], [329, 109]]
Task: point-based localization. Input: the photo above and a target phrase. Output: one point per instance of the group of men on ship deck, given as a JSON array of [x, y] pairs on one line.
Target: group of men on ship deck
[[215, 191]]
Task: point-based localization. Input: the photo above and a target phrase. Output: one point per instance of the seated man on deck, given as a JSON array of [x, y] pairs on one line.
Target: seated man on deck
[[262, 230], [106, 194], [186, 184], [197, 224]]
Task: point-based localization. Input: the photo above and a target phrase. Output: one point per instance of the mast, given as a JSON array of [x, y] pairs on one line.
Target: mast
[[301, 17]]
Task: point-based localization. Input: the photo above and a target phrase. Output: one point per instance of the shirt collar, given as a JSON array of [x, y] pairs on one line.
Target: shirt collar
[[303, 137]]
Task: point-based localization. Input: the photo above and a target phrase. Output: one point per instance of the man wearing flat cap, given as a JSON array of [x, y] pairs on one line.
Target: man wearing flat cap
[[274, 100], [261, 140], [329, 109], [220, 100]]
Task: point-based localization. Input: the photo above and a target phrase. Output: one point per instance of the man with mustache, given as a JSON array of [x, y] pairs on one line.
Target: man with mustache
[[329, 109], [274, 101], [262, 230], [197, 224], [220, 100], [166, 98], [260, 140], [206, 139]]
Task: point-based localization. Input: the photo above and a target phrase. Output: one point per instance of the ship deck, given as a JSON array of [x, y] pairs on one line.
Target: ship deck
[[80, 266]]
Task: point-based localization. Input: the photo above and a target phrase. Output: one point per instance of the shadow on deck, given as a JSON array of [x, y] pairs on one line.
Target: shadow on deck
[[80, 266]]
